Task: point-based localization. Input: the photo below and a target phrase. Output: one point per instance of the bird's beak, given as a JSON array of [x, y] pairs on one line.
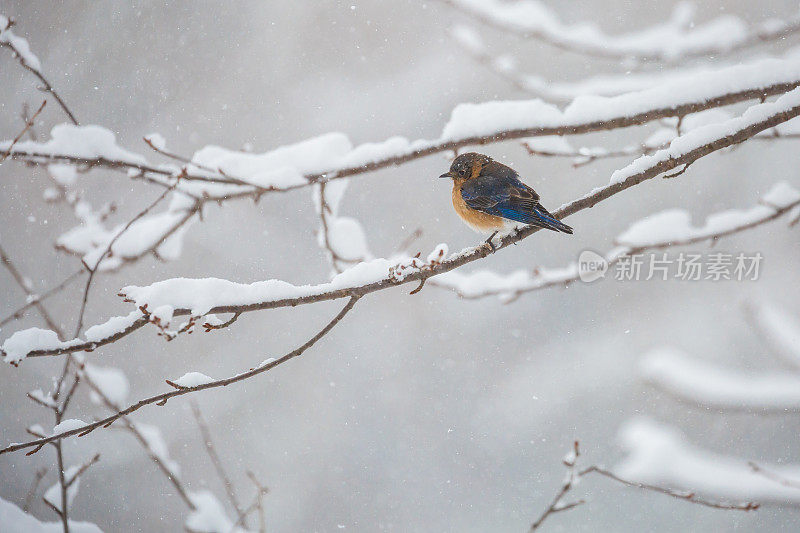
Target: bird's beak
[[446, 175]]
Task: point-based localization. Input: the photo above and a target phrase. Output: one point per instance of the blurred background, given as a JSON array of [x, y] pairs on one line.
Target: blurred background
[[417, 413]]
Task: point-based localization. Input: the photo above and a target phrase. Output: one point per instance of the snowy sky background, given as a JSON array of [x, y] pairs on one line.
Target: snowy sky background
[[417, 413]]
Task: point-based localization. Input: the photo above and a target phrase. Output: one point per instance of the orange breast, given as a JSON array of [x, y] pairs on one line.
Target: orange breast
[[480, 222]]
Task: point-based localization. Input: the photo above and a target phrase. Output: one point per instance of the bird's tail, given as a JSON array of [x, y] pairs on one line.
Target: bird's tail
[[548, 221]]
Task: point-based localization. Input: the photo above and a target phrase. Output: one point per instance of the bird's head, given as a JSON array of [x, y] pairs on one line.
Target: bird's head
[[466, 166]]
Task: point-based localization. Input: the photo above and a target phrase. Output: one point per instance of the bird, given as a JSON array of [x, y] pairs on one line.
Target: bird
[[490, 197]]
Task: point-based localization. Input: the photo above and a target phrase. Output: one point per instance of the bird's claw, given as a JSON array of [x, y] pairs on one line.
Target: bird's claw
[[490, 243]]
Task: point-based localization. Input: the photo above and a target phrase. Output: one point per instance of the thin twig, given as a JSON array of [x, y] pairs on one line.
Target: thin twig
[[28, 125], [686, 496], [83, 468], [38, 299], [35, 302], [555, 505], [572, 476], [777, 478], [34, 487], [215, 460]]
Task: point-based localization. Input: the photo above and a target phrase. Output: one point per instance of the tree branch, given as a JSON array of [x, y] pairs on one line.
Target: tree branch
[[751, 123], [12, 42]]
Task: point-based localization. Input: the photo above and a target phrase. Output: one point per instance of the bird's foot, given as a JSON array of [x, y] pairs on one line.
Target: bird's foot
[[490, 243]]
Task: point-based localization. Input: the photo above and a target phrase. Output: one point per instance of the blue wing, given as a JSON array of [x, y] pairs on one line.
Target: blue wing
[[502, 194]]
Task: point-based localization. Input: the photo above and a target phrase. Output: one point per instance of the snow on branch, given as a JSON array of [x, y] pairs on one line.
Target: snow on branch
[[677, 39], [197, 297], [332, 156], [15, 519], [342, 238], [714, 385], [574, 475], [22, 50], [656, 232], [558, 91], [659, 454]]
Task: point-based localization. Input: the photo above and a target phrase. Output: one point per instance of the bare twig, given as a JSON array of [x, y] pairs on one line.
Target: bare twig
[[686, 496], [83, 468], [570, 461], [38, 299], [28, 125], [34, 487], [555, 505], [20, 279], [338, 262], [777, 478], [215, 460]]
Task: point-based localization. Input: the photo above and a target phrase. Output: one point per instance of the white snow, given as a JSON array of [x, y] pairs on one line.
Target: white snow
[[156, 445], [19, 43], [89, 142], [661, 455], [552, 144], [91, 239], [63, 174], [53, 494], [15, 520], [674, 225], [343, 235], [489, 118], [201, 295], [162, 314], [111, 326], [486, 282], [112, 383], [21, 343], [438, 254], [708, 133], [41, 397], [192, 379], [676, 37], [283, 167], [157, 140], [68, 425], [209, 515], [714, 385]]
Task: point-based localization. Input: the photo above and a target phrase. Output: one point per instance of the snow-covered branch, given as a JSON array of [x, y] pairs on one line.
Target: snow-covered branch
[[663, 230], [333, 156], [181, 297], [661, 455], [22, 50], [709, 384], [574, 475], [672, 41]]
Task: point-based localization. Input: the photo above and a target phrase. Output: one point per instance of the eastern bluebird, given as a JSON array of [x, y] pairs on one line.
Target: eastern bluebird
[[490, 197]]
